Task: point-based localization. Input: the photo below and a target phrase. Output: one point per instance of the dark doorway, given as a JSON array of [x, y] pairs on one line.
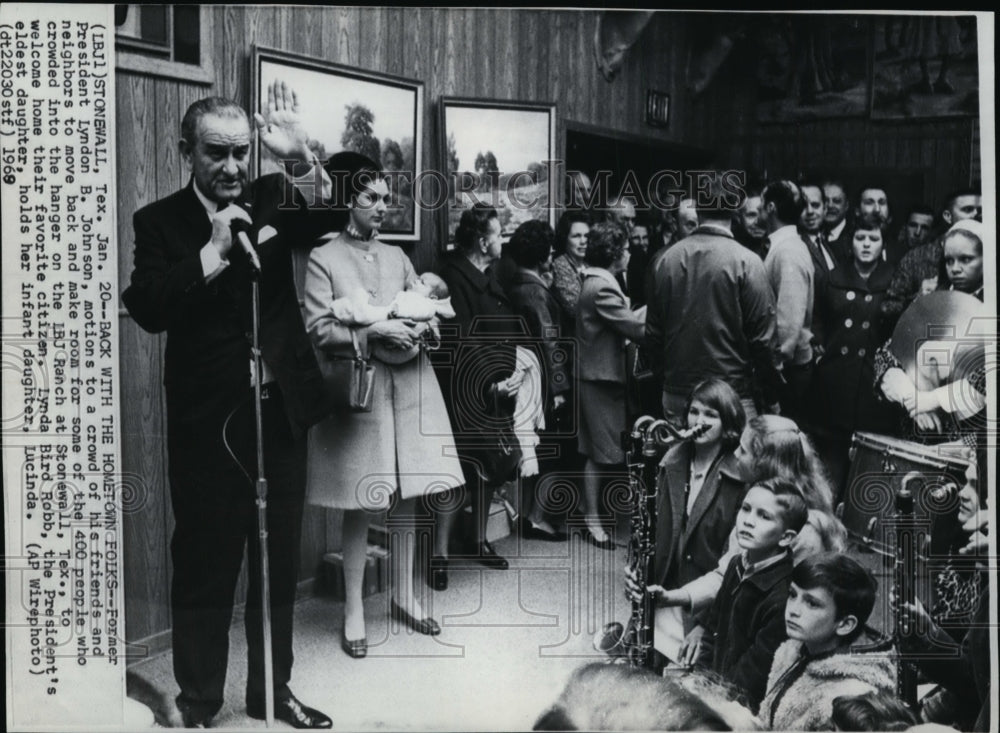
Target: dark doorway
[[619, 160]]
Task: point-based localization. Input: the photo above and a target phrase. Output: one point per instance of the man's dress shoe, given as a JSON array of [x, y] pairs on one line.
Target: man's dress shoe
[[291, 711]]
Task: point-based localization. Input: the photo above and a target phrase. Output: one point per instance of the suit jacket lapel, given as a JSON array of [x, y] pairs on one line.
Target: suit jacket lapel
[[194, 218]]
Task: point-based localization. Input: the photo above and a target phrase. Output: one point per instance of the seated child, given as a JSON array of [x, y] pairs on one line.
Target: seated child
[[424, 301], [830, 599], [622, 697], [746, 622], [871, 711], [823, 532]]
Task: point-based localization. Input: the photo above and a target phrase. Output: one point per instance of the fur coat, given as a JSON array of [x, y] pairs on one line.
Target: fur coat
[[807, 703]]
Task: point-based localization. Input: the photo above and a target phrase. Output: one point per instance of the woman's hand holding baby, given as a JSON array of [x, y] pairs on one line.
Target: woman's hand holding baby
[[397, 334]]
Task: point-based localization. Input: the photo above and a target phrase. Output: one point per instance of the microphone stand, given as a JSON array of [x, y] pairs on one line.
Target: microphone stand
[[261, 501]]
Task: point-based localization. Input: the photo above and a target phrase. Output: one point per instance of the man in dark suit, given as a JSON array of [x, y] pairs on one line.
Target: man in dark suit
[[192, 280], [837, 221]]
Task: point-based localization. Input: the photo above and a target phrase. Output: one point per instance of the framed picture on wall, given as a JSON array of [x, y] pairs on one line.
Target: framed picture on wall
[[501, 153], [345, 108], [810, 67], [925, 66]]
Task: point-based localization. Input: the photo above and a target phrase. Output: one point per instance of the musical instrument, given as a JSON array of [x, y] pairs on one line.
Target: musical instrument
[[940, 339], [906, 535], [644, 447], [946, 317], [901, 506], [905, 589], [880, 465]]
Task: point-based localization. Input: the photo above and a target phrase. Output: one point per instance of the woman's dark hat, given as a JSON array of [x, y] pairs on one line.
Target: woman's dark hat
[[343, 168]]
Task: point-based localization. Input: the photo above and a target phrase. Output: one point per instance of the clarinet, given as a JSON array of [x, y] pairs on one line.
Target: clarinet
[[649, 440]]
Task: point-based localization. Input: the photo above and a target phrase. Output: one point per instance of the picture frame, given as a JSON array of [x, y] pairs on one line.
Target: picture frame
[[347, 108], [832, 81], [500, 152], [924, 67]]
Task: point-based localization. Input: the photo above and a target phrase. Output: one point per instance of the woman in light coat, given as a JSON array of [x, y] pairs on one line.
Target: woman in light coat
[[367, 462]]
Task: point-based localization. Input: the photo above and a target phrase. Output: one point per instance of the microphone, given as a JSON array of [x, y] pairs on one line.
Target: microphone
[[241, 237]]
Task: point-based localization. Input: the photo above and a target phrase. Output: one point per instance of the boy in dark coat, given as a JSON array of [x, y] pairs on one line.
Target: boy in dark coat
[[746, 623]]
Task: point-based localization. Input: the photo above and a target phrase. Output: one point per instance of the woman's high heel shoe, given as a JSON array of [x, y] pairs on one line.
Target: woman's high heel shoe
[[357, 648], [427, 626]]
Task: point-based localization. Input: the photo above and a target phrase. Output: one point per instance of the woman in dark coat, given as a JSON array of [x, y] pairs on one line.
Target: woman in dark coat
[[603, 323], [567, 267], [530, 248], [849, 330], [475, 368]]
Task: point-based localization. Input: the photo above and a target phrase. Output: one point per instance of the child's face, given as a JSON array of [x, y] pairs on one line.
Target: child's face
[[811, 617], [421, 287], [963, 261], [760, 526], [701, 414], [744, 454]]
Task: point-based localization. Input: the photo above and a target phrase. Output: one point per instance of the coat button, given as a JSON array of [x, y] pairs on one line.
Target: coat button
[[844, 350], [851, 295], [862, 352], [687, 558], [869, 298], [848, 323], [369, 258], [866, 325]]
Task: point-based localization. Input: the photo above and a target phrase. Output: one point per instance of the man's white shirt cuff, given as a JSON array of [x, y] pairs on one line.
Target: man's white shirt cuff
[[212, 263]]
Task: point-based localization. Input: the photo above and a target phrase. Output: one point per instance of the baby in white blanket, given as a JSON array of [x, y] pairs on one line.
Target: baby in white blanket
[[424, 302]]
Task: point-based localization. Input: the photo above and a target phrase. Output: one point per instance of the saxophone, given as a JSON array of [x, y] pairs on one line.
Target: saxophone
[[644, 446]]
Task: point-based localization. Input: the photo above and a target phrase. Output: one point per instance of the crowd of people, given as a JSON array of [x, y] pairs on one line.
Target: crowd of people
[[768, 323], [771, 325]]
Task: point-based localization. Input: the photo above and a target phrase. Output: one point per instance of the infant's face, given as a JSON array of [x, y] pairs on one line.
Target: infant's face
[[421, 288], [430, 286]]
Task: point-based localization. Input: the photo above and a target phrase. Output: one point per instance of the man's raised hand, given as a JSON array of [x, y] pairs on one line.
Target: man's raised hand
[[281, 132]]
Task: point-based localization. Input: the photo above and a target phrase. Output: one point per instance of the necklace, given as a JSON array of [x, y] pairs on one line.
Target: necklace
[[698, 472], [353, 232]]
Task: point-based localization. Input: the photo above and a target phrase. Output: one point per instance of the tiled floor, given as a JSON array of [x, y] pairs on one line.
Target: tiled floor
[[510, 640]]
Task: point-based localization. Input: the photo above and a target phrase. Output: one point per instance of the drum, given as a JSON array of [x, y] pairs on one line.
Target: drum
[[943, 580], [880, 467]]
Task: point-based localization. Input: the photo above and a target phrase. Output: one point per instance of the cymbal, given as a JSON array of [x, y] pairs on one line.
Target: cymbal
[[941, 338]]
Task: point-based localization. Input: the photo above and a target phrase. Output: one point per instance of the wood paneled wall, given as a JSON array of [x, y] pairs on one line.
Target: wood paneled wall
[[532, 55], [723, 119]]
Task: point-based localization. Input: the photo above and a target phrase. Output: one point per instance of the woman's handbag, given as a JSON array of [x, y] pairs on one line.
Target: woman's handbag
[[501, 453], [349, 381]]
